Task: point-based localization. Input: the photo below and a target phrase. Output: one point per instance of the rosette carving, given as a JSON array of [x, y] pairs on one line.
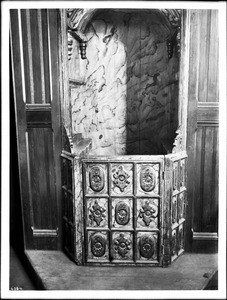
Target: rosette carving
[[180, 206], [121, 179], [97, 213], [122, 245], [96, 179], [181, 238], [173, 243], [147, 213], [174, 210], [122, 213], [147, 246], [98, 245], [147, 179]]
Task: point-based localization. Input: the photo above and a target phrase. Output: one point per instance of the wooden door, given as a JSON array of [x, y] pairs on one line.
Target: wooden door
[[35, 69], [123, 209], [202, 134]]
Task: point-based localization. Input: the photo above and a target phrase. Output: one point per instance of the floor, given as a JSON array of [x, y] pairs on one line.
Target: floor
[[19, 277], [57, 272]]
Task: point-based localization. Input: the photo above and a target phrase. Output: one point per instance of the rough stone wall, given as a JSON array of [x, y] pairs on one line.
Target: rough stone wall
[[128, 104]]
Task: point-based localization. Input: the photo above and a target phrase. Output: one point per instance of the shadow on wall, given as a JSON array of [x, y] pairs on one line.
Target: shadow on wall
[[128, 104]]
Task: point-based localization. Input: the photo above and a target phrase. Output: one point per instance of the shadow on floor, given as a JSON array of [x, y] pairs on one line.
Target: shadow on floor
[[213, 283], [19, 278]]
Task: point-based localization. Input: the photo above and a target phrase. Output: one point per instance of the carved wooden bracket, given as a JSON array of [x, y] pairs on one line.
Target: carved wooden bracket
[[174, 42], [75, 17], [173, 16], [79, 18]]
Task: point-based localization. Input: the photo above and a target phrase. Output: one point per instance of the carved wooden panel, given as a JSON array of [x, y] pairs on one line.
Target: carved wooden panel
[[178, 195], [148, 212], [148, 179], [97, 212], [121, 179], [122, 212], [123, 222], [122, 246], [173, 244], [174, 209], [98, 246], [147, 247], [96, 178], [181, 207]]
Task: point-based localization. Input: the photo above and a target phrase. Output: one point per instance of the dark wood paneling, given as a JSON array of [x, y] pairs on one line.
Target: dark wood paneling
[[203, 121], [206, 185], [42, 178], [34, 42]]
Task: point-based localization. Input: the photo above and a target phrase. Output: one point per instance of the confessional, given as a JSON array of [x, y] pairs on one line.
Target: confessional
[[100, 98], [124, 161]]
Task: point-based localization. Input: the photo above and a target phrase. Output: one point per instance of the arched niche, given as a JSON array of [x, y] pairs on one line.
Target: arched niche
[[124, 74]]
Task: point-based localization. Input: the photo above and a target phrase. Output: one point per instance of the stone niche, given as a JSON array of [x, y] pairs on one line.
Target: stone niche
[[124, 162]]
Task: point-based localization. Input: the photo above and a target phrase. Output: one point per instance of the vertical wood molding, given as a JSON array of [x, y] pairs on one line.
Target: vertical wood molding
[[21, 55], [184, 75], [49, 55], [192, 116], [30, 55], [41, 55], [65, 89]]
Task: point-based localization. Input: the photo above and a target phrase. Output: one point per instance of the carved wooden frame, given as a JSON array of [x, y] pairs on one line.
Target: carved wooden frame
[[78, 19]]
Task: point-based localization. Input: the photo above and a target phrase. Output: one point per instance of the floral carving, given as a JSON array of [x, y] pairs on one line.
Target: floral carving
[[98, 245], [147, 213], [173, 243], [181, 238], [180, 206], [147, 179], [121, 179], [182, 173], [174, 210], [147, 246], [122, 245], [122, 213], [97, 213], [96, 179]]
